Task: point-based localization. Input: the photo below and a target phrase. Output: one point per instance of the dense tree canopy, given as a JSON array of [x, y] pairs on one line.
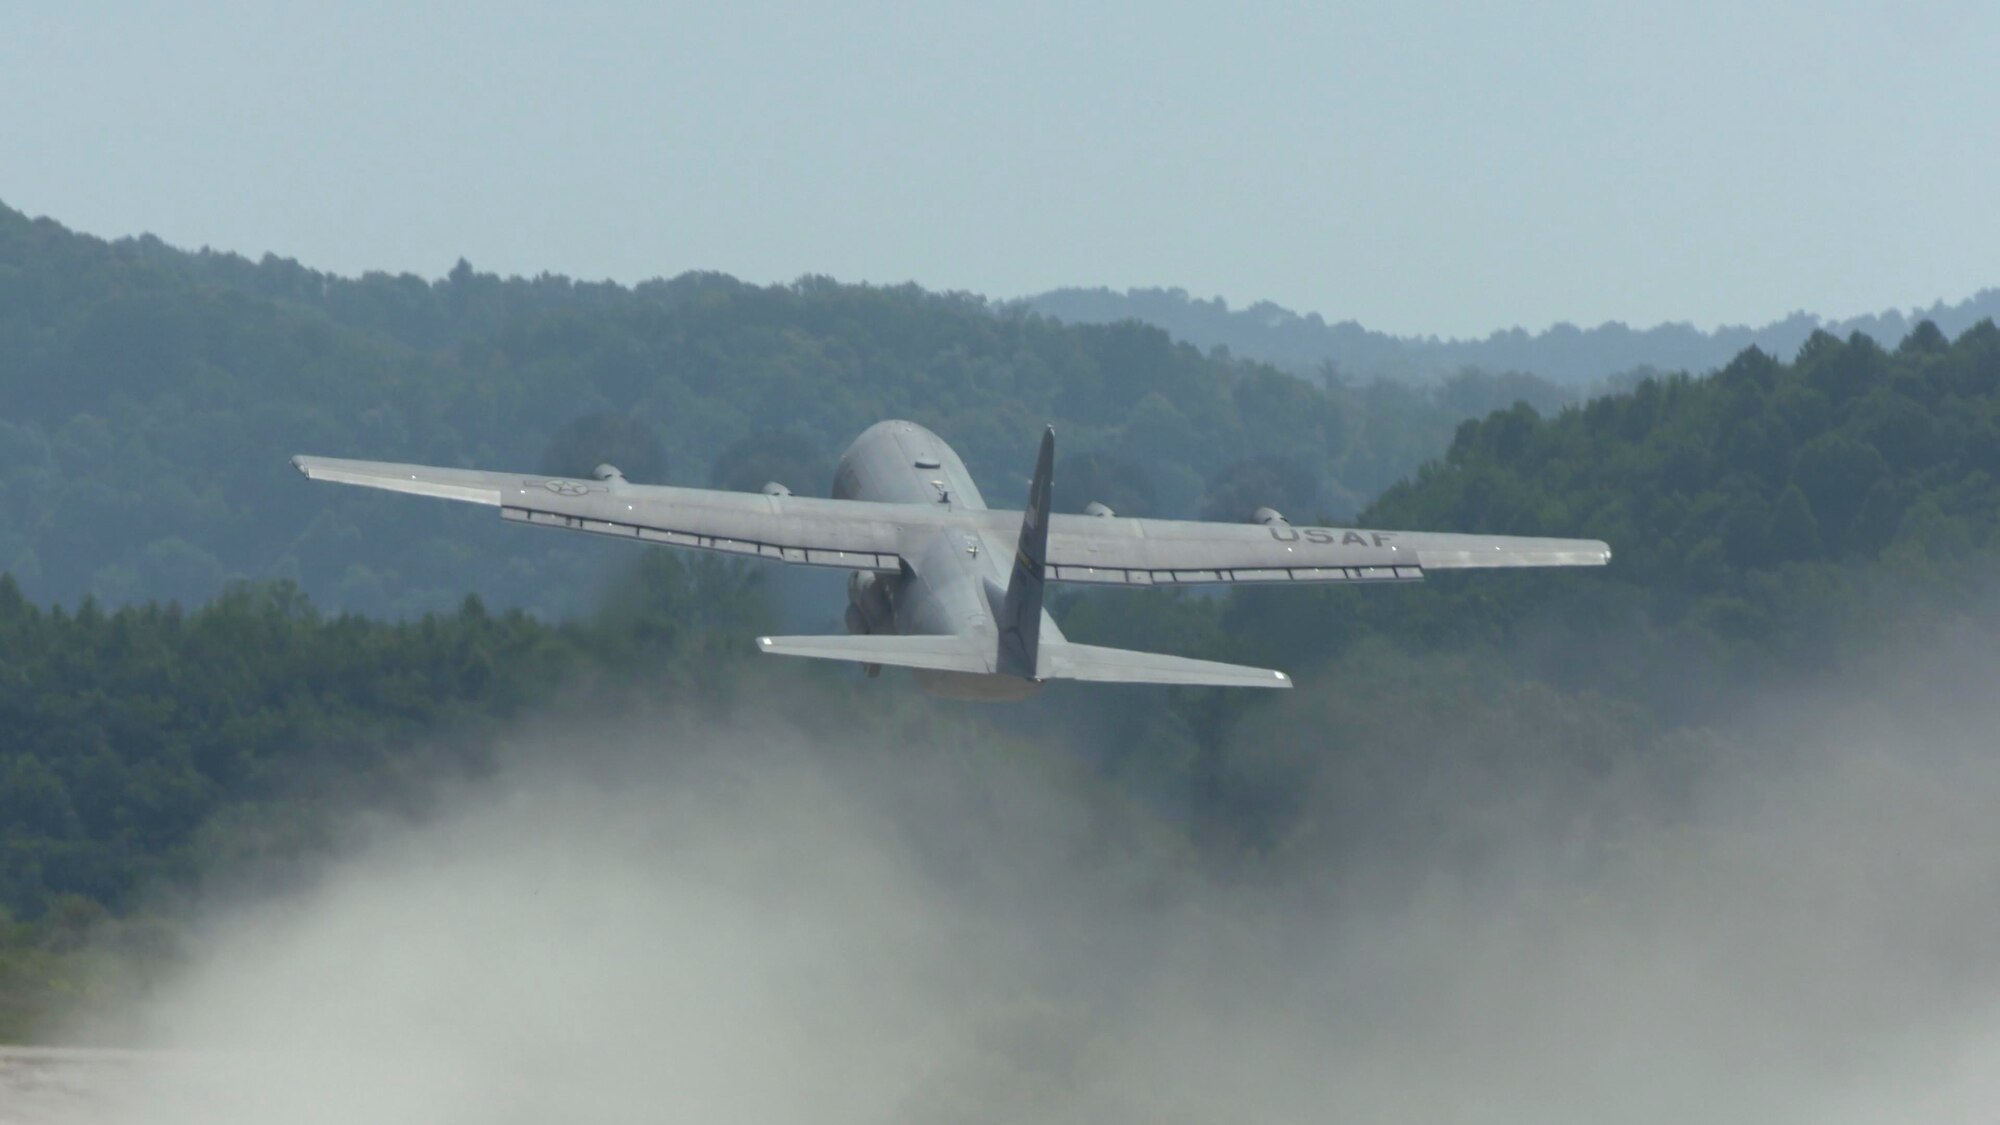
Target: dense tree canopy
[[1754, 514], [126, 730]]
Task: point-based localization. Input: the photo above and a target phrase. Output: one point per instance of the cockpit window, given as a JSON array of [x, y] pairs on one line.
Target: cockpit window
[[927, 461]]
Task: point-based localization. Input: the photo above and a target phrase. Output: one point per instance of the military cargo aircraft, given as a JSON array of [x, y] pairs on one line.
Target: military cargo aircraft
[[949, 588]]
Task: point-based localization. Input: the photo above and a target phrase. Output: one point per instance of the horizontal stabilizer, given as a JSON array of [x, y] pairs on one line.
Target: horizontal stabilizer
[[1066, 661], [938, 652]]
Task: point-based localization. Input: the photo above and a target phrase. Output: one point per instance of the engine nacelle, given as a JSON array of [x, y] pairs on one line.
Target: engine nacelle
[[1270, 517], [868, 604]]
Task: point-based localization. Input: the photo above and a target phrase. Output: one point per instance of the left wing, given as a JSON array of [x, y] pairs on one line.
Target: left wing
[[850, 534], [1110, 550]]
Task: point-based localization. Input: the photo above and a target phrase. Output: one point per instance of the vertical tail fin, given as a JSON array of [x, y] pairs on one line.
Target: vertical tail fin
[[1021, 613]]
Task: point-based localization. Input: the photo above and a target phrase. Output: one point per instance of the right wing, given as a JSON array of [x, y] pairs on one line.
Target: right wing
[[1111, 550], [849, 534]]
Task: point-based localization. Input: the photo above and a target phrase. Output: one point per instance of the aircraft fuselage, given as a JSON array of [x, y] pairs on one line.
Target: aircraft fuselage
[[955, 578]]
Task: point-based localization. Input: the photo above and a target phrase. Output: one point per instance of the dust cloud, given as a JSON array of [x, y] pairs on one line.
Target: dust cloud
[[764, 924]]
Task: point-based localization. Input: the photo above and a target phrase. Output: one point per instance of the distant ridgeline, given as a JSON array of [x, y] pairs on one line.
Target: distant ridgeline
[[1565, 354], [153, 397]]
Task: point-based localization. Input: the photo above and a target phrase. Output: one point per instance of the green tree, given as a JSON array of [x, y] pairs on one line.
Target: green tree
[[627, 443]]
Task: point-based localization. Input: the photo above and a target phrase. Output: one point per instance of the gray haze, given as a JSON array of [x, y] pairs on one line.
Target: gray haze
[[1420, 167], [779, 927], [1564, 354]]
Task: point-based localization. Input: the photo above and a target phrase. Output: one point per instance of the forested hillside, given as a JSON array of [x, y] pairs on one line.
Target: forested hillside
[[153, 398], [127, 730], [1770, 521], [1764, 520], [1565, 354], [144, 749]]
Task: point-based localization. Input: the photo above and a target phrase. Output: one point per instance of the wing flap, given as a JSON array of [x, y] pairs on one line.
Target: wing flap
[[1119, 576], [694, 540]]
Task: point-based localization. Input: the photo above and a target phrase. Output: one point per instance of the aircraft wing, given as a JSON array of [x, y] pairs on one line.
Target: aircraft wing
[[1110, 550], [865, 535], [849, 534]]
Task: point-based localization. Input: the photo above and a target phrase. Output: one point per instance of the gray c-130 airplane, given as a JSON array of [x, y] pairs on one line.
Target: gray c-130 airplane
[[949, 588]]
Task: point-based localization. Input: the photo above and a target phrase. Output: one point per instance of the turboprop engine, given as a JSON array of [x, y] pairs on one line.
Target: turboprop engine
[[868, 609]]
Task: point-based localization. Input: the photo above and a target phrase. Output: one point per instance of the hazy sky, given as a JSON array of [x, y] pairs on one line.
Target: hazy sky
[[1419, 167]]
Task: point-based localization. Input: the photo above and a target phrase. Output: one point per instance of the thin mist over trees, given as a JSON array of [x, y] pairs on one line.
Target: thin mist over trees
[[1771, 522]]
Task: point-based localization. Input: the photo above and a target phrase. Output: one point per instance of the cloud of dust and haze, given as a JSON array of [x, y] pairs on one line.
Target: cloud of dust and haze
[[779, 927]]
